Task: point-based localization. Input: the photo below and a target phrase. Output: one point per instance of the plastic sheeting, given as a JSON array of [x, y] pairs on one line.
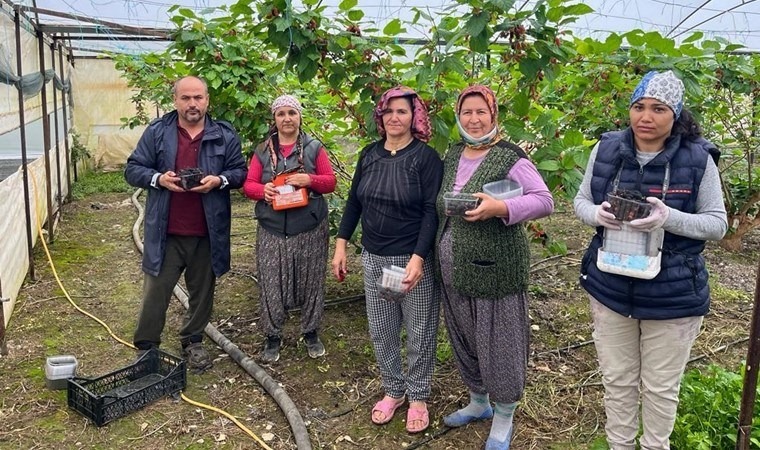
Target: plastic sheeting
[[102, 98], [14, 258], [30, 64]]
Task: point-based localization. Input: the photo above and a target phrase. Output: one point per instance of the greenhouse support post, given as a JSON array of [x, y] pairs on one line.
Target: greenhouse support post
[[46, 139], [65, 123], [3, 347], [58, 195], [750, 375], [22, 130]]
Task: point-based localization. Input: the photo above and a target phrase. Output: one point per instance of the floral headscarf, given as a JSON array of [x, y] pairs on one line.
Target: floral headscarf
[[286, 100], [492, 136], [663, 86], [421, 128]]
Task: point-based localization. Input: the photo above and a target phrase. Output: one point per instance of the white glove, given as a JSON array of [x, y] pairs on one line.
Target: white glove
[[606, 219], [656, 218]]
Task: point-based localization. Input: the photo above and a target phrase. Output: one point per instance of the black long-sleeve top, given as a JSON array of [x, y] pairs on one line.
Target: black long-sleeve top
[[394, 195]]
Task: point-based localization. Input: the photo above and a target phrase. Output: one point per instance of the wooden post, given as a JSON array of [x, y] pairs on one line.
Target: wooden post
[[750, 375]]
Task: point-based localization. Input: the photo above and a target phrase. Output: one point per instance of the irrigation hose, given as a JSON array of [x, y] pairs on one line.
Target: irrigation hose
[[129, 344], [278, 394]]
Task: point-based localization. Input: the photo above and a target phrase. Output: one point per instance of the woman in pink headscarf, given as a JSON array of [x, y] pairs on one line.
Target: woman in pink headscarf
[[393, 193], [291, 243], [484, 259]]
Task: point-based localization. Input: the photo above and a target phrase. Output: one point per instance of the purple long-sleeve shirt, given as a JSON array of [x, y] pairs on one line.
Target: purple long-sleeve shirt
[[536, 201]]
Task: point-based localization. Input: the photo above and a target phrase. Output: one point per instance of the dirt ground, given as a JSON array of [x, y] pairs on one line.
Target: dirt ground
[[99, 266]]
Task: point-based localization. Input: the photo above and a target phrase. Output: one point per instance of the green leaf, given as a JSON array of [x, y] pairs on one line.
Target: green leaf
[[479, 43], [186, 12], [548, 166], [693, 37], [392, 28], [520, 104], [477, 23], [555, 14], [355, 15], [573, 138], [579, 9], [346, 5], [635, 38], [612, 43]]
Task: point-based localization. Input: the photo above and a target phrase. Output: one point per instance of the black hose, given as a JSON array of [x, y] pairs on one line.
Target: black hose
[[300, 433]]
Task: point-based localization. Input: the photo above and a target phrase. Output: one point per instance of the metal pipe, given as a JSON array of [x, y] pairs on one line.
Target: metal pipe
[[749, 390], [59, 196], [46, 138], [22, 130], [65, 125], [3, 346]]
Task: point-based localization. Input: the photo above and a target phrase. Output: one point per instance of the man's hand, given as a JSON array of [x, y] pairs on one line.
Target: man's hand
[[170, 181], [208, 183]]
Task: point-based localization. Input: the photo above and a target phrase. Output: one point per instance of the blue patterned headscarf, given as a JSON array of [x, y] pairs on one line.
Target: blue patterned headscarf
[[662, 86]]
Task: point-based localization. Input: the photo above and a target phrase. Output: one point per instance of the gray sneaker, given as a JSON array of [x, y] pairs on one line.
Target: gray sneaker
[[313, 345], [198, 359], [271, 352]]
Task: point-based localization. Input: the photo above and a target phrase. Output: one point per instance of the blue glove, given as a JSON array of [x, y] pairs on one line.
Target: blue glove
[[656, 218], [606, 219]]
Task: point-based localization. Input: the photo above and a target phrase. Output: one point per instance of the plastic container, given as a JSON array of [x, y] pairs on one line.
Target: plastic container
[[503, 189], [457, 203], [154, 375], [190, 178], [58, 370], [631, 252], [389, 285], [628, 205]]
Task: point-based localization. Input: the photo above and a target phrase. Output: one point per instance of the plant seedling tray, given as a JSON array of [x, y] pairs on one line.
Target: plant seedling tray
[[156, 374]]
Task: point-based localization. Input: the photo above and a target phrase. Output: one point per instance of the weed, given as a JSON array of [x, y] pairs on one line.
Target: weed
[[100, 183], [708, 410]]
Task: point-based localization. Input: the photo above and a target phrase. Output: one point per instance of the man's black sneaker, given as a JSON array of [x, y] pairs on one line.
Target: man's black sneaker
[[198, 359]]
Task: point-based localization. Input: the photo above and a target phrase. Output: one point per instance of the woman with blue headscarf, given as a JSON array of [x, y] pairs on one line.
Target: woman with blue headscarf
[[644, 328]]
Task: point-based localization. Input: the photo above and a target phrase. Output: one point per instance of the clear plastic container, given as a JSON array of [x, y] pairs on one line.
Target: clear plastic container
[[628, 205], [457, 203], [389, 285], [503, 189]]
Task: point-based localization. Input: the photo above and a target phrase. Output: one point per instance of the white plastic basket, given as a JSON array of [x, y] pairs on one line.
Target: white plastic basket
[[631, 253]]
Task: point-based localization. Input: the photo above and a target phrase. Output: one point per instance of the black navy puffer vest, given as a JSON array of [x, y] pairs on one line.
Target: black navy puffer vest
[[680, 289]]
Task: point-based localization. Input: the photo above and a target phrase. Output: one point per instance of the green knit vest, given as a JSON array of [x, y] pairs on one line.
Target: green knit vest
[[491, 260]]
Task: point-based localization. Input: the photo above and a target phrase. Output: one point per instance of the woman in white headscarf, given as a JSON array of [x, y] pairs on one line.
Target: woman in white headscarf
[[291, 237], [644, 328]]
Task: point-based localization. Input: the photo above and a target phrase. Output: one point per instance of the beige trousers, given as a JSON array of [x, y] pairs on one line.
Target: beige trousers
[[641, 359]]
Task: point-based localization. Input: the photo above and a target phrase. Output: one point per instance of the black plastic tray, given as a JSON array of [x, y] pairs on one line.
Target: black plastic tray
[[156, 374]]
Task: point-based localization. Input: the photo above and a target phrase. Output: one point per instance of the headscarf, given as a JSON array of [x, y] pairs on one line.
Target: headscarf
[[492, 136], [662, 86], [421, 128], [269, 144], [286, 100]]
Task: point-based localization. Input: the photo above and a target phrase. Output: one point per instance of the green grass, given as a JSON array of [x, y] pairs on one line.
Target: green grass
[[100, 183]]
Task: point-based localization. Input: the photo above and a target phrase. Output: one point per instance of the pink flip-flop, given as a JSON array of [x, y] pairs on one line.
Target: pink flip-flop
[[417, 414], [388, 407]]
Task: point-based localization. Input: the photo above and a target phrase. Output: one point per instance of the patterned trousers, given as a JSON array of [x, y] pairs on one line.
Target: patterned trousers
[[291, 272], [418, 312]]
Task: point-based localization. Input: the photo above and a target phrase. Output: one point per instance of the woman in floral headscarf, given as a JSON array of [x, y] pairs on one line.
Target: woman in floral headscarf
[[393, 193], [292, 244], [644, 328], [484, 259]]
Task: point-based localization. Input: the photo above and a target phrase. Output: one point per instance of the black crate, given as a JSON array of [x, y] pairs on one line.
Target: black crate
[[156, 374]]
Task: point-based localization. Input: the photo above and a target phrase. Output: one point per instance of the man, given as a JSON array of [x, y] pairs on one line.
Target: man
[[185, 229]]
